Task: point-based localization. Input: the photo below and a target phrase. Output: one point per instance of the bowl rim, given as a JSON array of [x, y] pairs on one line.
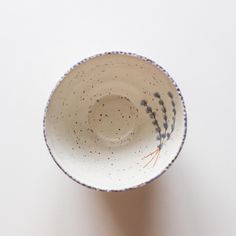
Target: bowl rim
[[140, 58]]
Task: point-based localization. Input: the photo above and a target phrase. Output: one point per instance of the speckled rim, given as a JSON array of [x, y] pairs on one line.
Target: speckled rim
[[141, 58]]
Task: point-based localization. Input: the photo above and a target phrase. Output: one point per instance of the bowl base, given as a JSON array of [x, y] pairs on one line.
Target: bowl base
[[113, 119]]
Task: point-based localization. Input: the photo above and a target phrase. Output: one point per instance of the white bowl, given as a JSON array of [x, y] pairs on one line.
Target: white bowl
[[115, 121]]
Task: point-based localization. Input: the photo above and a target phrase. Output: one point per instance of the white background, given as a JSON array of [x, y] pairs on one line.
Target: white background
[[194, 41]]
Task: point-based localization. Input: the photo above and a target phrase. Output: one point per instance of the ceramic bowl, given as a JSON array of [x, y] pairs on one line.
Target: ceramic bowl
[[115, 121]]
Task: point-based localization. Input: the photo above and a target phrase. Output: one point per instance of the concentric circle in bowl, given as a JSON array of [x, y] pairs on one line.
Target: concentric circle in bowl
[[115, 121]]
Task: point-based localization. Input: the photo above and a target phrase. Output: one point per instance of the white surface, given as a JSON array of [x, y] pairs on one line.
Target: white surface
[[194, 41]]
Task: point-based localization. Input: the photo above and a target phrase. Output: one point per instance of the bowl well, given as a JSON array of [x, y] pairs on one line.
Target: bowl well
[[115, 121]]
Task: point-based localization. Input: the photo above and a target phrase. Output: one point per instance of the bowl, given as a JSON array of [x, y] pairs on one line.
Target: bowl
[[115, 121]]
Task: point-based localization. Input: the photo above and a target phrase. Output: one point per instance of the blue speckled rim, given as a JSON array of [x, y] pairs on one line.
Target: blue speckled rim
[[132, 55]]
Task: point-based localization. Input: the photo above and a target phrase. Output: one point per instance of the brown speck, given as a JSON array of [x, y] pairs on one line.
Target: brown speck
[[100, 114], [100, 119], [98, 100], [83, 91]]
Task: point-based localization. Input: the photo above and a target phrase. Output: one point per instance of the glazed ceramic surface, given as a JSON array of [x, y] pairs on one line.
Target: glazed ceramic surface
[[115, 121]]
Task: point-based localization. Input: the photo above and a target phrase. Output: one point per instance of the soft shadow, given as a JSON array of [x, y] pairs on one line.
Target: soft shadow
[[133, 211]]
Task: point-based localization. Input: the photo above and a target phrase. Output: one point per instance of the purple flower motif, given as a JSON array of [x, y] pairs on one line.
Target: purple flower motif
[[143, 103], [149, 109], [165, 125], [163, 109], [163, 135], [157, 95], [152, 115], [154, 122], [165, 130], [158, 129]]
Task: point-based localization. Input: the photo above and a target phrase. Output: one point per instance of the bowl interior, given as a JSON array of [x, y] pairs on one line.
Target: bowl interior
[[114, 122]]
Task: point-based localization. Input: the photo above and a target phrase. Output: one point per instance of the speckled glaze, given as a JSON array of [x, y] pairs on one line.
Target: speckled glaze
[[115, 121]]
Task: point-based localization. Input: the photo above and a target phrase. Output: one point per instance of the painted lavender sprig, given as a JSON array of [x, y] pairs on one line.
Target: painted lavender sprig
[[164, 136], [153, 116], [173, 112], [163, 109]]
